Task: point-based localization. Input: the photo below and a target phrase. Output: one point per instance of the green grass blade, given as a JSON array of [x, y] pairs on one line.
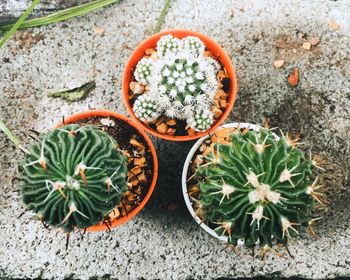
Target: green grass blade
[[162, 16], [9, 134], [64, 14], [18, 23]]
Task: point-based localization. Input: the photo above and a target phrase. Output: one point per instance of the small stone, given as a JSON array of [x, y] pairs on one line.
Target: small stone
[[208, 54], [107, 122], [191, 132], [217, 113], [171, 131], [171, 122], [278, 63], [149, 51], [139, 89], [223, 103], [132, 86], [293, 78], [307, 46], [333, 25], [142, 178], [99, 31], [314, 41], [162, 128], [202, 148], [154, 56], [136, 143], [294, 50]]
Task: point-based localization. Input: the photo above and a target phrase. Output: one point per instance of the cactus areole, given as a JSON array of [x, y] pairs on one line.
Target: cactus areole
[[73, 177], [252, 186]]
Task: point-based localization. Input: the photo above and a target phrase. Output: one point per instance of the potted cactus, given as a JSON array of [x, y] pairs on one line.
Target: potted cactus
[[94, 171], [179, 85], [245, 184]]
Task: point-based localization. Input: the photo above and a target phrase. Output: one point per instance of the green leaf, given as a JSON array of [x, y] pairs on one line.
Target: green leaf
[[75, 94], [9, 134], [63, 14], [162, 16], [13, 28]]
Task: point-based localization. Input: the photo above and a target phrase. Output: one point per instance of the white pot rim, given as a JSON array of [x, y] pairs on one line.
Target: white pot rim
[[185, 171]]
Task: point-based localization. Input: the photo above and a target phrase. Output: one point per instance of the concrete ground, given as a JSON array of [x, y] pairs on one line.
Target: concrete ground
[[163, 242]]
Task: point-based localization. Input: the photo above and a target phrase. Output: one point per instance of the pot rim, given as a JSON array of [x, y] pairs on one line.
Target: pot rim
[[106, 113], [221, 56], [185, 171]]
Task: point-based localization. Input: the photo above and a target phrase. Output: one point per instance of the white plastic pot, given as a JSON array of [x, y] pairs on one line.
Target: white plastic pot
[[185, 172]]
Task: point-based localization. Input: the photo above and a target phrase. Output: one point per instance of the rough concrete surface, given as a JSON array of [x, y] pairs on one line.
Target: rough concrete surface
[[160, 243]]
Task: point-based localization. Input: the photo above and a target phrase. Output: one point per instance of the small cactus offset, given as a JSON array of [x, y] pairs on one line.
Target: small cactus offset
[[145, 108], [73, 177], [256, 188], [181, 81]]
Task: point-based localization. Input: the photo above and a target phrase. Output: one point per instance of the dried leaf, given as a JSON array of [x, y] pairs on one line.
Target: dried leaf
[[333, 25], [75, 94], [293, 78]]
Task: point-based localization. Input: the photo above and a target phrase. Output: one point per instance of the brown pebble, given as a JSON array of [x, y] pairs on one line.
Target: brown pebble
[[217, 113], [171, 131], [149, 51], [208, 54], [191, 132], [142, 178], [278, 63], [223, 103], [162, 128], [171, 122], [307, 46], [136, 143], [139, 89], [140, 161], [132, 86], [314, 41]]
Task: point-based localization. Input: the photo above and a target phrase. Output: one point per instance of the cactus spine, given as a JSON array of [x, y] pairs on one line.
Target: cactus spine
[[73, 177]]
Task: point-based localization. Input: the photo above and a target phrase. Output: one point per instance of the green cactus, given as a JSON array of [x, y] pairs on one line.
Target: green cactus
[[145, 108], [256, 188], [168, 44], [143, 71], [73, 177], [201, 120]]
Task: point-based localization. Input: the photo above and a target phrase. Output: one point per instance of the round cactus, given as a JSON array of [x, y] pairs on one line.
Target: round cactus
[[181, 82], [201, 120], [168, 44], [194, 44], [143, 70], [145, 108], [73, 177], [256, 188]]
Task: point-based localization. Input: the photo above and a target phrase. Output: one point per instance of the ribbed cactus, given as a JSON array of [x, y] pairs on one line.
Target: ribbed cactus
[[256, 188], [181, 81], [73, 177]]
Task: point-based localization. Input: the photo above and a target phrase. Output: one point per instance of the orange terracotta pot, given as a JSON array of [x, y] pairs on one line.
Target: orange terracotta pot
[[105, 113], [211, 45]]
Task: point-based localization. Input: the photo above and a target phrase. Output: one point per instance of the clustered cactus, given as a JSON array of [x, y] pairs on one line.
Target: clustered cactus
[[73, 177], [256, 188], [181, 80]]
